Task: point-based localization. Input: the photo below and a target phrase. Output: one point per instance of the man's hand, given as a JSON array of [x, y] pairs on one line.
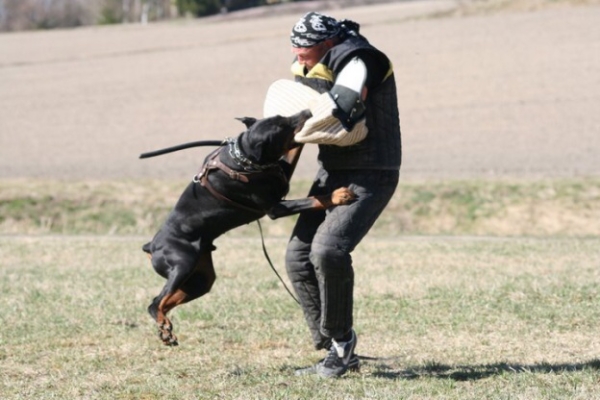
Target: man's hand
[[339, 197]]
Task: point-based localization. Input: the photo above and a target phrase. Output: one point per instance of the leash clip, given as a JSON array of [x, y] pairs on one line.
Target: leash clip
[[198, 177]]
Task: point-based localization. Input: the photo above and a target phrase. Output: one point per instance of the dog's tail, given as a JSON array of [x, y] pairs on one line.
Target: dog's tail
[[183, 146]]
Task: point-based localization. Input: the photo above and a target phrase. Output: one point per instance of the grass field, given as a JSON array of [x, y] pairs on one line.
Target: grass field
[[438, 316], [543, 207], [485, 287], [479, 281]]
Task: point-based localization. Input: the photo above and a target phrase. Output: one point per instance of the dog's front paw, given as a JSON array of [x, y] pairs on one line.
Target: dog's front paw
[[342, 196]]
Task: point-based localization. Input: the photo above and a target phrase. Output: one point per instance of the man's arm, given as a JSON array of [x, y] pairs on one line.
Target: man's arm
[[339, 115]]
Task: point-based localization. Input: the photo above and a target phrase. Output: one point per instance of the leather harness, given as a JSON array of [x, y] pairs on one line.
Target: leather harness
[[251, 171]]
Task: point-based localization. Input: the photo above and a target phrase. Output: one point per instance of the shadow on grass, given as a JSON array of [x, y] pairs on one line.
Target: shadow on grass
[[474, 372]]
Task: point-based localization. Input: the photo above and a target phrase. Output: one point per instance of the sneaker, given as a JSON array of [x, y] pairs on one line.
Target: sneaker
[[336, 363], [353, 365], [339, 360]]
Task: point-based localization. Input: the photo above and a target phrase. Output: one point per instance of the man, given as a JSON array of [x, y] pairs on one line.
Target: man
[[358, 91]]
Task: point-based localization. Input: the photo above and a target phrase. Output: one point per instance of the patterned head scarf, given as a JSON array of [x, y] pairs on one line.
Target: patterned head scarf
[[314, 28]]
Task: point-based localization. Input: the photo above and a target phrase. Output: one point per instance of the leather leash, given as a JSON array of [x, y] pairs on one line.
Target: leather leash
[[262, 238]]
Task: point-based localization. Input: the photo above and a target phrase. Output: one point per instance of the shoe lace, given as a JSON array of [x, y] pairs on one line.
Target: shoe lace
[[332, 356]]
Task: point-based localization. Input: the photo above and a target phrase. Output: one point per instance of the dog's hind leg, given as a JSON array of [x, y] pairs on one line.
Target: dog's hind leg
[[181, 288], [201, 280], [164, 324], [175, 260]]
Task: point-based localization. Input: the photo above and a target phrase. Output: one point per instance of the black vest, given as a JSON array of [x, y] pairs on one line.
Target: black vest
[[382, 148]]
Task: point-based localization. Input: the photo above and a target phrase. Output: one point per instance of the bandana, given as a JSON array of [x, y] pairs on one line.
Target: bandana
[[314, 28]]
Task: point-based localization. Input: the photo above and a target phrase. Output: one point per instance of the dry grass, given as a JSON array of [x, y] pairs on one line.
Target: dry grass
[[443, 316], [567, 207], [452, 318]]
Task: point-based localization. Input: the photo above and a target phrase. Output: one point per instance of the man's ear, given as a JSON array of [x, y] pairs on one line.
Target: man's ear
[[330, 42], [248, 121]]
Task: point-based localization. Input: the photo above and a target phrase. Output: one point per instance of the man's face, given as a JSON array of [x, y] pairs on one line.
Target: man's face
[[310, 56]]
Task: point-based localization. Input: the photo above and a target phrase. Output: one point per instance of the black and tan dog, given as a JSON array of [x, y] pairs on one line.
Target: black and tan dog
[[240, 182]]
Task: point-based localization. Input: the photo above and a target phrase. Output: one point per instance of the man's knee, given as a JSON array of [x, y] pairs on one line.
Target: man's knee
[[330, 261]]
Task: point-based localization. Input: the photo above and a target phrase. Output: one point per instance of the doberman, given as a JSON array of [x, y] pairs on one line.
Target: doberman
[[240, 182]]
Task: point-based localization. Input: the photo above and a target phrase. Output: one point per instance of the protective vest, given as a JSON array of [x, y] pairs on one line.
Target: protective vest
[[382, 148]]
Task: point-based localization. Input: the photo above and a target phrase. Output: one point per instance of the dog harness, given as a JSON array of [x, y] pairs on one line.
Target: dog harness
[[251, 171]]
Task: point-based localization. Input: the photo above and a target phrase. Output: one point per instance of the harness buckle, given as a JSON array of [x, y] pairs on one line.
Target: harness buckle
[[198, 177]]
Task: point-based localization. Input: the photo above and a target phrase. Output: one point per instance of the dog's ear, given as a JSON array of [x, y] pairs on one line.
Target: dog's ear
[[248, 121]]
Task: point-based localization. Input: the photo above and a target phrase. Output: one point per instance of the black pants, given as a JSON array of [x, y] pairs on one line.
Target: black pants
[[318, 259]]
